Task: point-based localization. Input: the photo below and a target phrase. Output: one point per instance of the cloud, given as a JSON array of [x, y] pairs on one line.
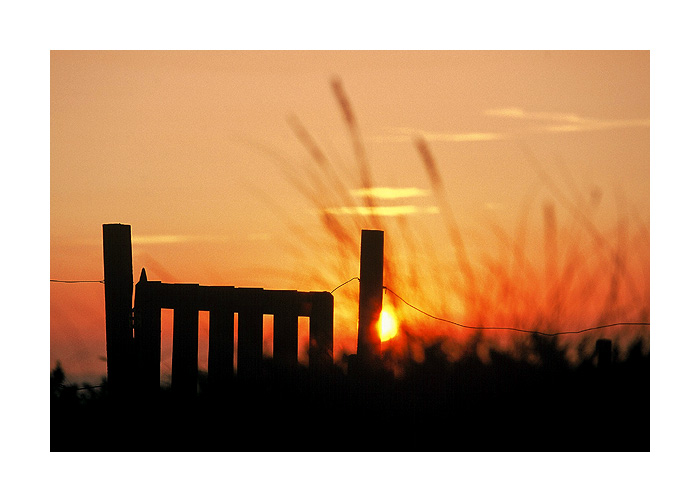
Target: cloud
[[390, 193], [519, 113], [407, 134], [598, 125], [552, 123], [383, 210], [462, 137], [566, 122]]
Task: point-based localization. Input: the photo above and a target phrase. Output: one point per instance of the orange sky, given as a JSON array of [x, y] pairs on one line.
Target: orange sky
[[196, 152]]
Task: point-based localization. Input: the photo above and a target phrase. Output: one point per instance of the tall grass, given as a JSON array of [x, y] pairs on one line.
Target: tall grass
[[570, 275]]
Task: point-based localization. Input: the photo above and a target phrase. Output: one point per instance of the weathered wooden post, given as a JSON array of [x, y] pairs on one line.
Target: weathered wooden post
[[221, 327], [185, 341], [285, 337], [147, 335], [118, 283], [321, 333], [250, 333], [371, 289]]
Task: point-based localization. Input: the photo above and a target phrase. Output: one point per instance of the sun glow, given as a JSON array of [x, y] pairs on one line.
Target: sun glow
[[388, 324]]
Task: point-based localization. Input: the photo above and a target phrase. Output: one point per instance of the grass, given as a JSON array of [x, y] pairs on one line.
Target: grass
[[508, 404], [566, 273]]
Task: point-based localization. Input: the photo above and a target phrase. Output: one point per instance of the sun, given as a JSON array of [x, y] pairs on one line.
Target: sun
[[388, 325]]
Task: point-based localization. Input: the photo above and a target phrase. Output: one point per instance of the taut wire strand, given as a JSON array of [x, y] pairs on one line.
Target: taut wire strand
[[534, 332], [73, 282]]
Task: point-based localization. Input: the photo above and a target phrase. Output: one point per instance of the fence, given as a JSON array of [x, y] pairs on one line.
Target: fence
[[134, 343], [223, 302]]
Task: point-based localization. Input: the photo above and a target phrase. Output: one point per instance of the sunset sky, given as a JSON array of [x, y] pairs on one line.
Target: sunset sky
[[544, 158]]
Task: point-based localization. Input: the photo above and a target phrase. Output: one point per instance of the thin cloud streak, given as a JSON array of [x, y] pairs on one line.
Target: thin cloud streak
[[560, 122], [390, 192], [382, 210], [519, 113], [567, 122], [407, 134], [599, 125]]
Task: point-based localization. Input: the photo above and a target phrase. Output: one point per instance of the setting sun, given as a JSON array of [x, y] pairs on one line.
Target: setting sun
[[388, 325]]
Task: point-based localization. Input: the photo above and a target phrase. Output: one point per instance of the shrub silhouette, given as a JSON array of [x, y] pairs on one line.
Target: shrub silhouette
[[540, 403]]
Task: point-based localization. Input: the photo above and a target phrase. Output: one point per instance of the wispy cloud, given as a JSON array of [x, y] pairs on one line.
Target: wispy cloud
[[390, 192], [598, 125], [537, 122], [407, 134], [506, 112], [519, 113], [175, 239], [565, 122], [383, 210]]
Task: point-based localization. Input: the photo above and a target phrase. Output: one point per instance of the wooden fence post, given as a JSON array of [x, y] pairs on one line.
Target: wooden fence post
[[185, 341], [285, 337], [147, 335], [371, 289], [321, 334], [221, 328], [250, 333], [119, 284]]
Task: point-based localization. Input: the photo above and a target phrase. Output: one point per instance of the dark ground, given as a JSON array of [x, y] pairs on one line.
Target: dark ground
[[507, 405]]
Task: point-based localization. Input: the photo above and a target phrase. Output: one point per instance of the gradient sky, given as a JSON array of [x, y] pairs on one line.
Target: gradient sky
[[197, 152]]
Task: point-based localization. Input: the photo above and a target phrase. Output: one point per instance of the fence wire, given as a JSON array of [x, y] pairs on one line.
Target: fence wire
[[466, 326], [501, 328]]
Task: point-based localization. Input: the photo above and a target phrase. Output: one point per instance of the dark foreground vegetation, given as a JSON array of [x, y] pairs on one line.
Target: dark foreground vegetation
[[507, 405]]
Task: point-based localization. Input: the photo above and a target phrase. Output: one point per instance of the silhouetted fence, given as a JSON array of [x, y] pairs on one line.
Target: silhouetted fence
[[223, 302], [133, 355]]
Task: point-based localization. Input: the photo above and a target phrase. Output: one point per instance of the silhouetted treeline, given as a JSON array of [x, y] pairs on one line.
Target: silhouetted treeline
[[508, 404]]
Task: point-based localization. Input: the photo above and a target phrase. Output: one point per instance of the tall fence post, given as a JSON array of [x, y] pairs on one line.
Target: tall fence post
[[118, 284], [371, 289]]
